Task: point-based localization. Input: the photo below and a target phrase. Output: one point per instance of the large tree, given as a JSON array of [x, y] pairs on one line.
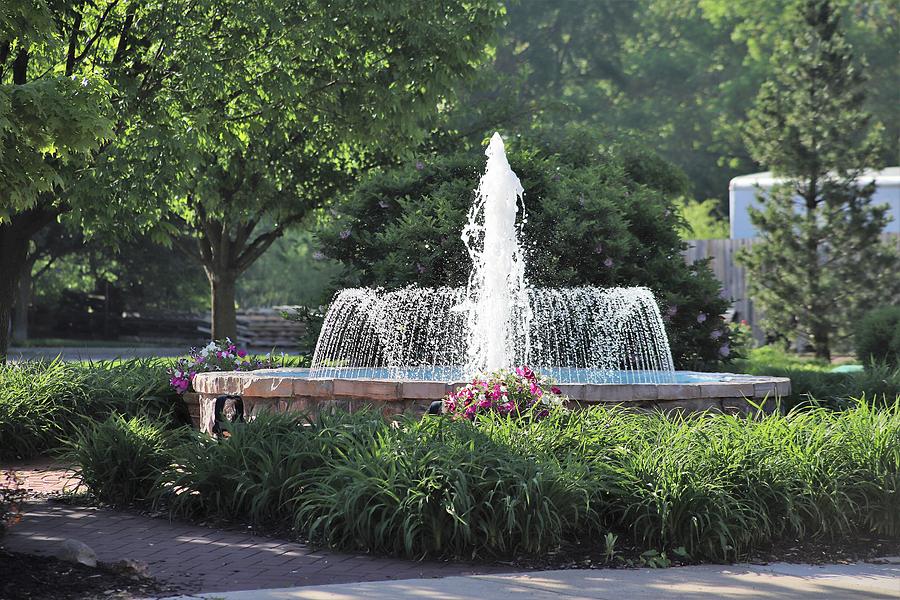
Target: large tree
[[54, 113], [283, 104], [222, 120], [820, 259]]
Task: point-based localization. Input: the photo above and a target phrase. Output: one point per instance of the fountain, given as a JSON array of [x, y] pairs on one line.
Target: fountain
[[401, 349]]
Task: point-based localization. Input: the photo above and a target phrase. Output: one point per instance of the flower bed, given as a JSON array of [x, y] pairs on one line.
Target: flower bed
[[215, 356], [507, 393]]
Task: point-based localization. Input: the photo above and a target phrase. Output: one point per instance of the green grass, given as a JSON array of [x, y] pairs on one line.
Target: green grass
[[715, 487]]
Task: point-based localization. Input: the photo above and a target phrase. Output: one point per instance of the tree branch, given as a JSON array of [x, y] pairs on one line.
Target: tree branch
[[258, 246], [93, 39]]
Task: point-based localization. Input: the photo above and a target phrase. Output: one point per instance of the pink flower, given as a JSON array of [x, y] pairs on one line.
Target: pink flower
[[556, 390], [525, 372]]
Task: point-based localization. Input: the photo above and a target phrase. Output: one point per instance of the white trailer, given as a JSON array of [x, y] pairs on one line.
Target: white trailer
[[743, 192]]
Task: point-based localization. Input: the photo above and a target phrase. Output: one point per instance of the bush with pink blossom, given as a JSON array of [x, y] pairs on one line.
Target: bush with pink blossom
[[215, 356], [521, 392]]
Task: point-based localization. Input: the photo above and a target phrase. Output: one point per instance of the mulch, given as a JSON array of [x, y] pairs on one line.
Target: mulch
[[29, 577]]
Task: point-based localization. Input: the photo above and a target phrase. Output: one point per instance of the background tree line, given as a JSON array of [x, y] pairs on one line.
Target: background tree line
[[209, 130]]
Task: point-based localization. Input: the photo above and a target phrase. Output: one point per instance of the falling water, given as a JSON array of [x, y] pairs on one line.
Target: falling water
[[496, 300], [583, 334]]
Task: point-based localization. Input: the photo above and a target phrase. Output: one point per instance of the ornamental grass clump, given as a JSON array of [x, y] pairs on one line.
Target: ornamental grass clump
[[43, 402], [442, 488], [119, 460], [251, 476]]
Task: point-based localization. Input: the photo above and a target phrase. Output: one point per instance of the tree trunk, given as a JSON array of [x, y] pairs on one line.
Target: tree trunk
[[13, 252], [822, 342], [224, 314], [22, 303]]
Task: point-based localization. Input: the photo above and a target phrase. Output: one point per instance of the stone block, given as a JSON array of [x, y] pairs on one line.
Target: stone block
[[783, 387], [762, 390], [610, 392], [300, 404], [423, 390], [367, 388], [726, 390], [677, 391], [689, 405], [206, 383], [314, 388], [266, 386], [645, 391], [575, 391], [737, 406]]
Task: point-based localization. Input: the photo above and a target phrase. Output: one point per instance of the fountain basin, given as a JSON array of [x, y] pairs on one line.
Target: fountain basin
[[285, 390]]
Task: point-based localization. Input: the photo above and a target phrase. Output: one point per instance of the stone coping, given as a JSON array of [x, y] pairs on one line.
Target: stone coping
[[280, 383]]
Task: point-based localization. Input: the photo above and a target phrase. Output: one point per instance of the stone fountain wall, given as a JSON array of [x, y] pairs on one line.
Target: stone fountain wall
[[271, 390]]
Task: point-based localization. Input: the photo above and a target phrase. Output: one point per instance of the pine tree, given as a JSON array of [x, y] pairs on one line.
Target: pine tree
[[820, 260]]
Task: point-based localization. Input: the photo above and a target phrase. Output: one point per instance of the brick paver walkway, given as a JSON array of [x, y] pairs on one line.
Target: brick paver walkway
[[196, 558], [43, 476]]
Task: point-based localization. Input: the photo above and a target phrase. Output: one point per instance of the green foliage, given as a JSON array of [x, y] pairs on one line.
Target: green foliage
[[878, 336], [712, 488], [815, 383], [292, 272], [677, 74], [442, 488], [42, 403], [701, 221], [817, 268], [119, 460], [267, 130], [596, 215], [252, 475]]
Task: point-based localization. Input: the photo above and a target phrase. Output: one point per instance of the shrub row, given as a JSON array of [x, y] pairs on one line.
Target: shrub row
[[43, 402], [814, 382], [718, 486]]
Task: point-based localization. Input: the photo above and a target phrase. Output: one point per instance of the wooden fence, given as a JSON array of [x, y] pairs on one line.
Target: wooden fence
[[733, 276]]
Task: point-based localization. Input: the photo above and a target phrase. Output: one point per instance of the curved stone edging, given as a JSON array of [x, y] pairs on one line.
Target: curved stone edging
[[274, 389]]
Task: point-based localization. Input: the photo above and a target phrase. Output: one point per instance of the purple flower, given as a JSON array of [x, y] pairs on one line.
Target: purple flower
[[344, 234], [598, 248], [701, 318], [608, 263], [715, 334], [242, 353], [420, 268], [419, 165], [318, 255], [383, 204], [555, 390], [672, 310], [724, 350]]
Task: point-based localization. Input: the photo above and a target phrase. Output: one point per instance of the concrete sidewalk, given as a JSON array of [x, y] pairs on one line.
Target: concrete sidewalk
[[778, 581]]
